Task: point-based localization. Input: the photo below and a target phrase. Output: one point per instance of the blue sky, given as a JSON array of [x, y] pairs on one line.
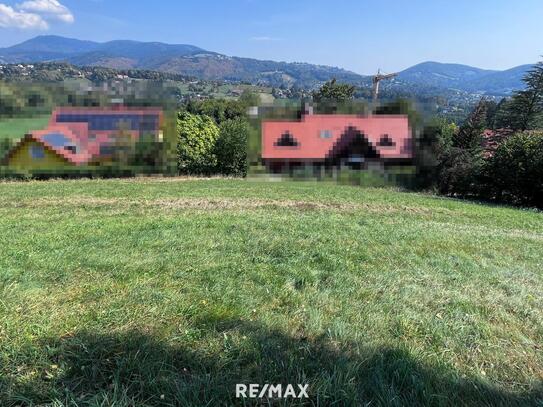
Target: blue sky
[[360, 35]]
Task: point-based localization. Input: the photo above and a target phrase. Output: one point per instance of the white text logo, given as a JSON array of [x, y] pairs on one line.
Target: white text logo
[[271, 391]]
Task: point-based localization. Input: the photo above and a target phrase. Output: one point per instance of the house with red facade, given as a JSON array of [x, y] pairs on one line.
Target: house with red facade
[[336, 141], [83, 136]]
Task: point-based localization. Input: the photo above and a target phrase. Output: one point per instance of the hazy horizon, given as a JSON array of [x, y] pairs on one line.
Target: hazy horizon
[[360, 37]]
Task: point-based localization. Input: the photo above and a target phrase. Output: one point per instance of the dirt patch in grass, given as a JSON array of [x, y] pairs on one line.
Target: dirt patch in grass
[[209, 204]]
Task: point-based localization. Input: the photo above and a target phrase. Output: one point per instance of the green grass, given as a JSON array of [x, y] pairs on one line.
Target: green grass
[[169, 292], [15, 128]]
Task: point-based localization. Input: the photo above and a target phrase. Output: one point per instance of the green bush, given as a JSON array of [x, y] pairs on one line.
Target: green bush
[[149, 152], [516, 170], [197, 135], [231, 147], [461, 173], [5, 146]]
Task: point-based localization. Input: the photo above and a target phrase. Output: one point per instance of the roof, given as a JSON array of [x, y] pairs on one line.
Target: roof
[[111, 118], [59, 139], [492, 139], [314, 136]]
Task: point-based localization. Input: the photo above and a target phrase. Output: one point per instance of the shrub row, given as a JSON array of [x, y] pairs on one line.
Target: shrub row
[[512, 174]]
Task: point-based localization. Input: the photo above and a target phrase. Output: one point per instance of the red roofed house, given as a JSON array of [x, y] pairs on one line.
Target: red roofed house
[[322, 140], [80, 136], [493, 138]]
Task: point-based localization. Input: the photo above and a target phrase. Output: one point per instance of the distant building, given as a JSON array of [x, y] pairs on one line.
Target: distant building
[[81, 136], [336, 141]]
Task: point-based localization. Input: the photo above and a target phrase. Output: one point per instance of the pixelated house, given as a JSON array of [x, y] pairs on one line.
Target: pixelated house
[[83, 136], [336, 141]]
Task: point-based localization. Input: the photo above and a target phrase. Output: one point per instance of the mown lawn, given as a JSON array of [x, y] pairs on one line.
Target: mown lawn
[[15, 128], [169, 292]]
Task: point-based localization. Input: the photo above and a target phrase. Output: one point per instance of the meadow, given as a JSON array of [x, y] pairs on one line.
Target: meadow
[[171, 291]]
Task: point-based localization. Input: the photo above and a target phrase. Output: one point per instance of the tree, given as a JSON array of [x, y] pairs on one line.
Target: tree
[[461, 167], [491, 111], [516, 169], [446, 133], [429, 146], [11, 103], [197, 135], [335, 92], [5, 146], [461, 173], [501, 116], [231, 147], [470, 135], [527, 104], [249, 98], [218, 109], [149, 153]]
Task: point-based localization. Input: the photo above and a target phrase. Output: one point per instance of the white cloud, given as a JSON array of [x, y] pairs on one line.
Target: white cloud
[[265, 38], [20, 19], [34, 14], [49, 9]]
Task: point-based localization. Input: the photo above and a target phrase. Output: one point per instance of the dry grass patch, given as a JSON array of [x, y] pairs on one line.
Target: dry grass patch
[[210, 204]]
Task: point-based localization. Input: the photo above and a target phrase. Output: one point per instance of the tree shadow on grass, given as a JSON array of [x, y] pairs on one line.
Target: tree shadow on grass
[[134, 368]]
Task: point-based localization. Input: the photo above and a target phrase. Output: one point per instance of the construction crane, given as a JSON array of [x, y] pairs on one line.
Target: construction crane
[[378, 78]]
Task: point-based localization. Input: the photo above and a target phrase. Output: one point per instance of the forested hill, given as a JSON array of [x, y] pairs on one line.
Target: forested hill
[[190, 60]]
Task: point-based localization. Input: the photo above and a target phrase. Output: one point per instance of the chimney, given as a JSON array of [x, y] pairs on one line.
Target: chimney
[[308, 109]]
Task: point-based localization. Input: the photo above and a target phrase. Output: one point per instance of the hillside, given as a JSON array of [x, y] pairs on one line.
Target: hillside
[[180, 59], [171, 291], [59, 71], [189, 60], [121, 81], [442, 75], [501, 82], [465, 78]]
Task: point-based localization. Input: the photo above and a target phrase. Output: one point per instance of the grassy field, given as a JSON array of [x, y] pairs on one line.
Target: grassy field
[[17, 127], [169, 292]]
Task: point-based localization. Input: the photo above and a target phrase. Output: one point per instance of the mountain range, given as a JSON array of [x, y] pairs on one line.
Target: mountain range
[[196, 62]]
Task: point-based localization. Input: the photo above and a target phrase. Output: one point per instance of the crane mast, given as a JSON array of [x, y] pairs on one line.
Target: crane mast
[[378, 78]]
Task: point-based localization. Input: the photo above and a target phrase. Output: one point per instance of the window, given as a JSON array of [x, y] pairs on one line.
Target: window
[[325, 134], [37, 152], [92, 137], [386, 141], [71, 148], [286, 140], [56, 139]]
